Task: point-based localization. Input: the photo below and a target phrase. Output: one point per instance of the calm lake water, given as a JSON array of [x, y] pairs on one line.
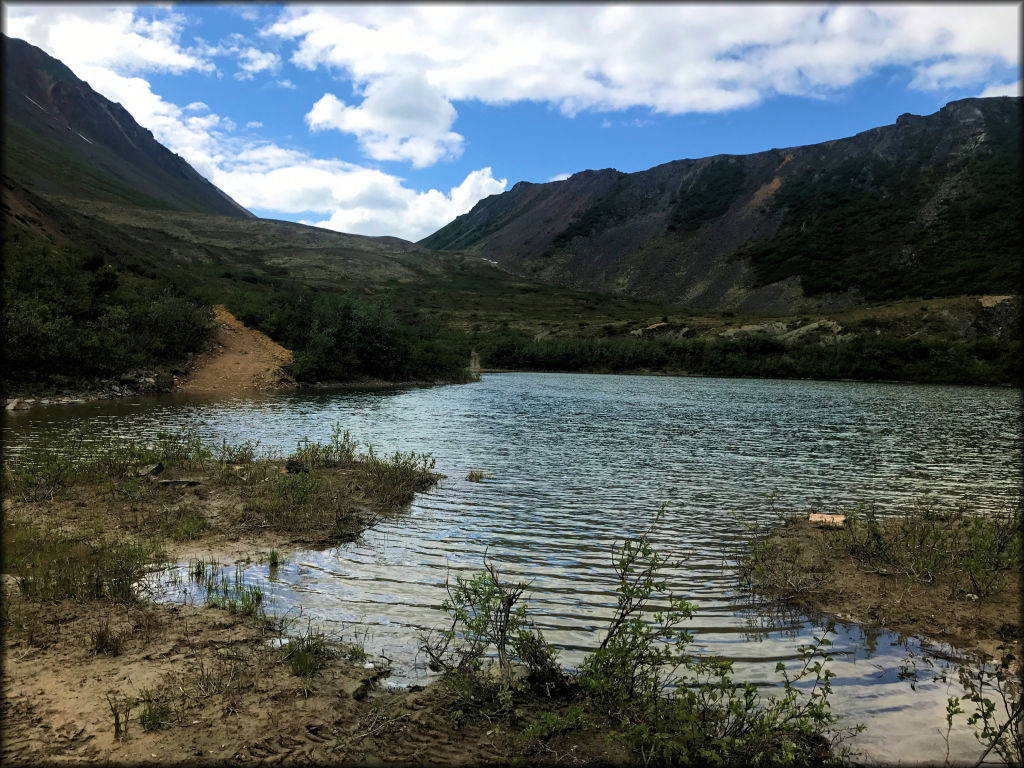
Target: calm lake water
[[577, 462]]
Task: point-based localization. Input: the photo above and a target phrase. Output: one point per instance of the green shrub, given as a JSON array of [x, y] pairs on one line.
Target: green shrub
[[486, 613], [971, 553], [64, 317]]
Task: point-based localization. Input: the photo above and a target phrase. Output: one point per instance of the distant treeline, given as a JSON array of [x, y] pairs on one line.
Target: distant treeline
[[74, 313], [980, 361], [337, 337]]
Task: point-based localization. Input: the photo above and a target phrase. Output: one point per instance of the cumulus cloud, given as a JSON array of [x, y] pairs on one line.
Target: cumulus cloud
[[1002, 89], [373, 202], [110, 36], [668, 58], [401, 117]]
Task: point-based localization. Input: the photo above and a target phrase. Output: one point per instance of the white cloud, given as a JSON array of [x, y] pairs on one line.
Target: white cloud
[[669, 58], [254, 124], [109, 36], [560, 177], [1002, 89], [376, 201], [950, 73], [252, 61], [401, 117], [287, 84], [196, 106]]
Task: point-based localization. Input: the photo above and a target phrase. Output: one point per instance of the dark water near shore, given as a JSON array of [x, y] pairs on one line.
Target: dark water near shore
[[577, 462]]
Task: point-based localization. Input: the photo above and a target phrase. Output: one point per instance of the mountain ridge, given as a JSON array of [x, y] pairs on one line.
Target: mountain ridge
[[62, 137], [718, 232]]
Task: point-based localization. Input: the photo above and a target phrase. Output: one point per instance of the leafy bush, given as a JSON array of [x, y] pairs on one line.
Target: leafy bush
[[486, 613], [641, 684], [71, 315], [678, 709], [971, 553], [863, 357]]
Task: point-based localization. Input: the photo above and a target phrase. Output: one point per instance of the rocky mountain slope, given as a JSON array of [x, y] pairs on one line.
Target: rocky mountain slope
[[929, 206], [61, 137]]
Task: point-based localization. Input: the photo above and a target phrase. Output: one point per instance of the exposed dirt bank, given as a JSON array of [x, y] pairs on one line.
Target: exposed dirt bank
[[241, 360], [223, 692]]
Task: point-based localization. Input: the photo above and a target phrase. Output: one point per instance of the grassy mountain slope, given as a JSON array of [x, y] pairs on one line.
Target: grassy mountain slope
[[929, 206]]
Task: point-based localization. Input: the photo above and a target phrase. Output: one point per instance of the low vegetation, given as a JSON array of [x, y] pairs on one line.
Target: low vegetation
[[641, 688], [941, 573], [858, 223], [72, 314], [972, 557], [179, 489], [337, 337]]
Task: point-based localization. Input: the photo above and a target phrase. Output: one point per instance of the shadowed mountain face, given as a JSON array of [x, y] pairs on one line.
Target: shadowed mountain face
[[61, 137], [929, 206]]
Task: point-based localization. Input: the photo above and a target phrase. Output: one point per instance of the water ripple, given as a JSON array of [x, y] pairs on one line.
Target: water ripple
[[576, 463]]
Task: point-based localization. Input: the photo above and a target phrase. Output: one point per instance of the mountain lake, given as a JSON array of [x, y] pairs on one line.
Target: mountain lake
[[573, 463]]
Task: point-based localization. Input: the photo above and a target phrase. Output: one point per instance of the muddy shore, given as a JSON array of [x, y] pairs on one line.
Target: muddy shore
[[812, 574]]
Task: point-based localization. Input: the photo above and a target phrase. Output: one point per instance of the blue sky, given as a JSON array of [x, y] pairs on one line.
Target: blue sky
[[394, 119]]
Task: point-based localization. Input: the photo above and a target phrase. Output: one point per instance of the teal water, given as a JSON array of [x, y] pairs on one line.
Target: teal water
[[576, 462]]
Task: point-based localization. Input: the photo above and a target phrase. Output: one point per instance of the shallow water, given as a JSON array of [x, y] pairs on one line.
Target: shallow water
[[576, 462]]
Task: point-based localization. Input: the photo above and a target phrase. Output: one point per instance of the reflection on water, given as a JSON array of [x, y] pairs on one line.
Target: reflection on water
[[577, 462]]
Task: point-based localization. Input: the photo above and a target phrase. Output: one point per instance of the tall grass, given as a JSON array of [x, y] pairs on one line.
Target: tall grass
[[339, 451], [43, 470], [52, 565], [394, 480]]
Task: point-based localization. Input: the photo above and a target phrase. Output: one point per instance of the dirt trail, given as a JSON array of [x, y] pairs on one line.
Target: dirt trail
[[242, 359]]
